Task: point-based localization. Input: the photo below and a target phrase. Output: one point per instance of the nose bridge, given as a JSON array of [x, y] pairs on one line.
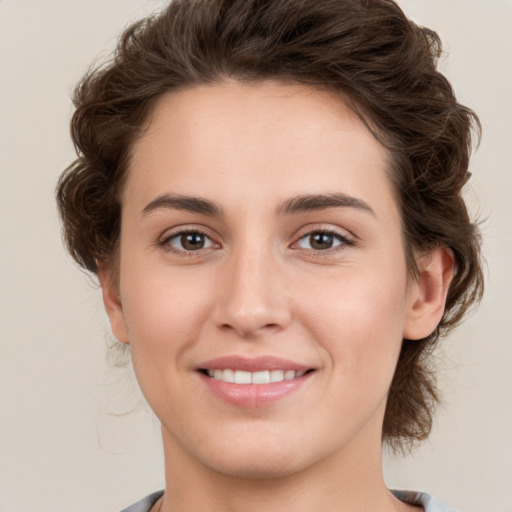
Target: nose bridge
[[253, 298]]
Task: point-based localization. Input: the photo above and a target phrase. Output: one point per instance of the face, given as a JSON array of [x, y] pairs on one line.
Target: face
[[263, 286]]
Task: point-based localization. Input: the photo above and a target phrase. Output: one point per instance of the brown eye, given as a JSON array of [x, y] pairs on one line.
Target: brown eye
[[189, 241], [192, 241], [322, 241]]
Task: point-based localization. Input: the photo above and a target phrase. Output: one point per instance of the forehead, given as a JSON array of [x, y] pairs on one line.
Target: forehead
[[230, 137]]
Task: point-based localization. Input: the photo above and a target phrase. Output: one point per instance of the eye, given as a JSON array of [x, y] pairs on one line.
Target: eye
[[322, 240], [188, 241]]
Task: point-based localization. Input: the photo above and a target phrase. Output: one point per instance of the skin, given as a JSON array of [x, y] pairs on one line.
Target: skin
[[259, 287]]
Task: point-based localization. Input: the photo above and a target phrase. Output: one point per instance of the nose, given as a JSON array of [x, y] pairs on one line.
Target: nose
[[252, 298]]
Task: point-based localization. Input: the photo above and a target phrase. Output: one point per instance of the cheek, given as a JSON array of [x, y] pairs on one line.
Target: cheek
[[164, 311], [164, 314], [358, 318]]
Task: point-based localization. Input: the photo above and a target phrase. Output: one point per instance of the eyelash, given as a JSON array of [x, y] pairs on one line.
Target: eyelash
[[344, 242], [165, 242]]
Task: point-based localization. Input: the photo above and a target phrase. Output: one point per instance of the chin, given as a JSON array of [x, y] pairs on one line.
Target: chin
[[263, 468], [255, 457]]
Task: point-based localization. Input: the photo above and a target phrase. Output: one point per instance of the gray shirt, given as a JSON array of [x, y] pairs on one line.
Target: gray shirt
[[429, 503]]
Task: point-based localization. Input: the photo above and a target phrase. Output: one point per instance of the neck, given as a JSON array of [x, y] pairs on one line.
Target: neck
[[340, 482]]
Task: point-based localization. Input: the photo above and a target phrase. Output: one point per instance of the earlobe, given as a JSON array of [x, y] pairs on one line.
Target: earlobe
[[428, 293], [112, 302]]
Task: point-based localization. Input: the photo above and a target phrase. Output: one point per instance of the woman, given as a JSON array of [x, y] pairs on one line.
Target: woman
[[270, 195]]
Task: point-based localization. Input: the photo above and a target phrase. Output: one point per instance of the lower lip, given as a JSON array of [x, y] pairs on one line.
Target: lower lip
[[254, 395]]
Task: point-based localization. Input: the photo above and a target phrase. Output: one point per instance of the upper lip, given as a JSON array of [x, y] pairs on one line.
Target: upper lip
[[255, 364]]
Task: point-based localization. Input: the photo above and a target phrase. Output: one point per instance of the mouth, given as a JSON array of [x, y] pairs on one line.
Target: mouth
[[260, 377], [233, 376], [254, 382]]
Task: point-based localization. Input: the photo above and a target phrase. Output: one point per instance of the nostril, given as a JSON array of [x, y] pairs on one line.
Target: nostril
[[247, 328]]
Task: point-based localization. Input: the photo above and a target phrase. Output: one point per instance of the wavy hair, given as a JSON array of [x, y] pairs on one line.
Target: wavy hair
[[379, 62]]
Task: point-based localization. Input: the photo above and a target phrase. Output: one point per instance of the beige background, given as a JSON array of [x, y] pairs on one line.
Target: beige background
[[63, 445]]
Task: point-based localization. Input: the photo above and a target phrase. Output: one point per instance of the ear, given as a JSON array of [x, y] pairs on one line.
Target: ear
[[112, 302], [428, 293]]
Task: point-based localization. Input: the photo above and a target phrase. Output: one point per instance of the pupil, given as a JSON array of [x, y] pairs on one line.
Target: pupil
[[321, 241], [192, 241]]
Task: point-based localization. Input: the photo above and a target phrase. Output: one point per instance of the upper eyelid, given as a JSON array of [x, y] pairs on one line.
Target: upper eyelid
[[345, 240], [217, 238], [170, 236], [332, 231], [324, 228], [182, 230]]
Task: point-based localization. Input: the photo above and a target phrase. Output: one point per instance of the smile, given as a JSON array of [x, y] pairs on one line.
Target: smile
[[254, 382], [260, 377]]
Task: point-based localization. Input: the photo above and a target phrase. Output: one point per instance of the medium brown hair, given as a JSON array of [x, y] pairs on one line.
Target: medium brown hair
[[367, 52]]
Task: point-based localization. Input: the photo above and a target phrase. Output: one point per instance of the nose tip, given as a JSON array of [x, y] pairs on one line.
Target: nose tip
[[253, 299], [250, 322]]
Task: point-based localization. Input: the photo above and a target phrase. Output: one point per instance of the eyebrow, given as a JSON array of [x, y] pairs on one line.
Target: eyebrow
[[185, 203], [294, 205], [314, 202]]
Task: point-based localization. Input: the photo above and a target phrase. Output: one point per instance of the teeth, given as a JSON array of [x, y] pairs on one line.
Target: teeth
[[228, 375], [276, 375], [289, 374], [241, 377], [260, 377], [263, 377]]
